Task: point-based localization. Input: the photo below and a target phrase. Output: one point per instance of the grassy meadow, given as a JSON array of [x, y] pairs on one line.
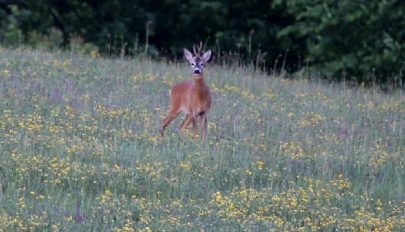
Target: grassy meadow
[[80, 150]]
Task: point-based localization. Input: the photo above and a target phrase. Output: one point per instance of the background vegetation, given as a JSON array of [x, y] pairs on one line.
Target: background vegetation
[[361, 41], [79, 142]]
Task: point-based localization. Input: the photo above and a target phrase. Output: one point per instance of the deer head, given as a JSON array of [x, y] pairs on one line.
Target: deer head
[[197, 61]]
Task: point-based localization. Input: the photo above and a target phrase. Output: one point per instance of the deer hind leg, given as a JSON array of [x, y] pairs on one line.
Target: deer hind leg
[[172, 115], [202, 120], [204, 125], [195, 128]]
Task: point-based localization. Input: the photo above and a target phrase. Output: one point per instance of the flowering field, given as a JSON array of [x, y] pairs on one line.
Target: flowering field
[[80, 150]]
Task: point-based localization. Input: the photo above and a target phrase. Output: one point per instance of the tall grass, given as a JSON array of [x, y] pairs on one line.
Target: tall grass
[[80, 150]]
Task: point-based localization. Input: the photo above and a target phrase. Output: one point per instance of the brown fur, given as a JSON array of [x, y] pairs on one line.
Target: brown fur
[[192, 98]]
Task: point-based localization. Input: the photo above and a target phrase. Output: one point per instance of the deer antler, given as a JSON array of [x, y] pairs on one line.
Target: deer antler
[[198, 48], [195, 53]]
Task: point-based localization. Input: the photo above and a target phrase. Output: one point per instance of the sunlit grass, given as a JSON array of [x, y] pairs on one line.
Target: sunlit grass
[[80, 150]]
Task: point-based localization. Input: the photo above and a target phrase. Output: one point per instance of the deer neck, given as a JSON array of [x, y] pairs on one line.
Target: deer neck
[[200, 85], [199, 80]]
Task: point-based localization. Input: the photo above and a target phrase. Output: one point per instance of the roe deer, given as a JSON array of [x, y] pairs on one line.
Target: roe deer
[[191, 97]]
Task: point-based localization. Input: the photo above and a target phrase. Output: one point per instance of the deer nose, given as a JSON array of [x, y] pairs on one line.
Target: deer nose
[[197, 71]]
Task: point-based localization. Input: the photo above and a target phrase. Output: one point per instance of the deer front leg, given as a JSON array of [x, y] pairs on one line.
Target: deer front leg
[[186, 122]]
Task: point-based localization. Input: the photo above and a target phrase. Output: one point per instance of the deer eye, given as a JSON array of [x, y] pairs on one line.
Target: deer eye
[[192, 64], [202, 64]]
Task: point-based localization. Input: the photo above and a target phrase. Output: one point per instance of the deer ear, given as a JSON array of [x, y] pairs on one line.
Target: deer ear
[[188, 55], [206, 56]]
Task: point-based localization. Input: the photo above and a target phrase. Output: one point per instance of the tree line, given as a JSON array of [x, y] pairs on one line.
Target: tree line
[[361, 41]]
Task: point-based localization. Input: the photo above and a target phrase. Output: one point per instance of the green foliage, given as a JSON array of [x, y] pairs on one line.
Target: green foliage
[[364, 39], [360, 41], [240, 26], [10, 33]]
